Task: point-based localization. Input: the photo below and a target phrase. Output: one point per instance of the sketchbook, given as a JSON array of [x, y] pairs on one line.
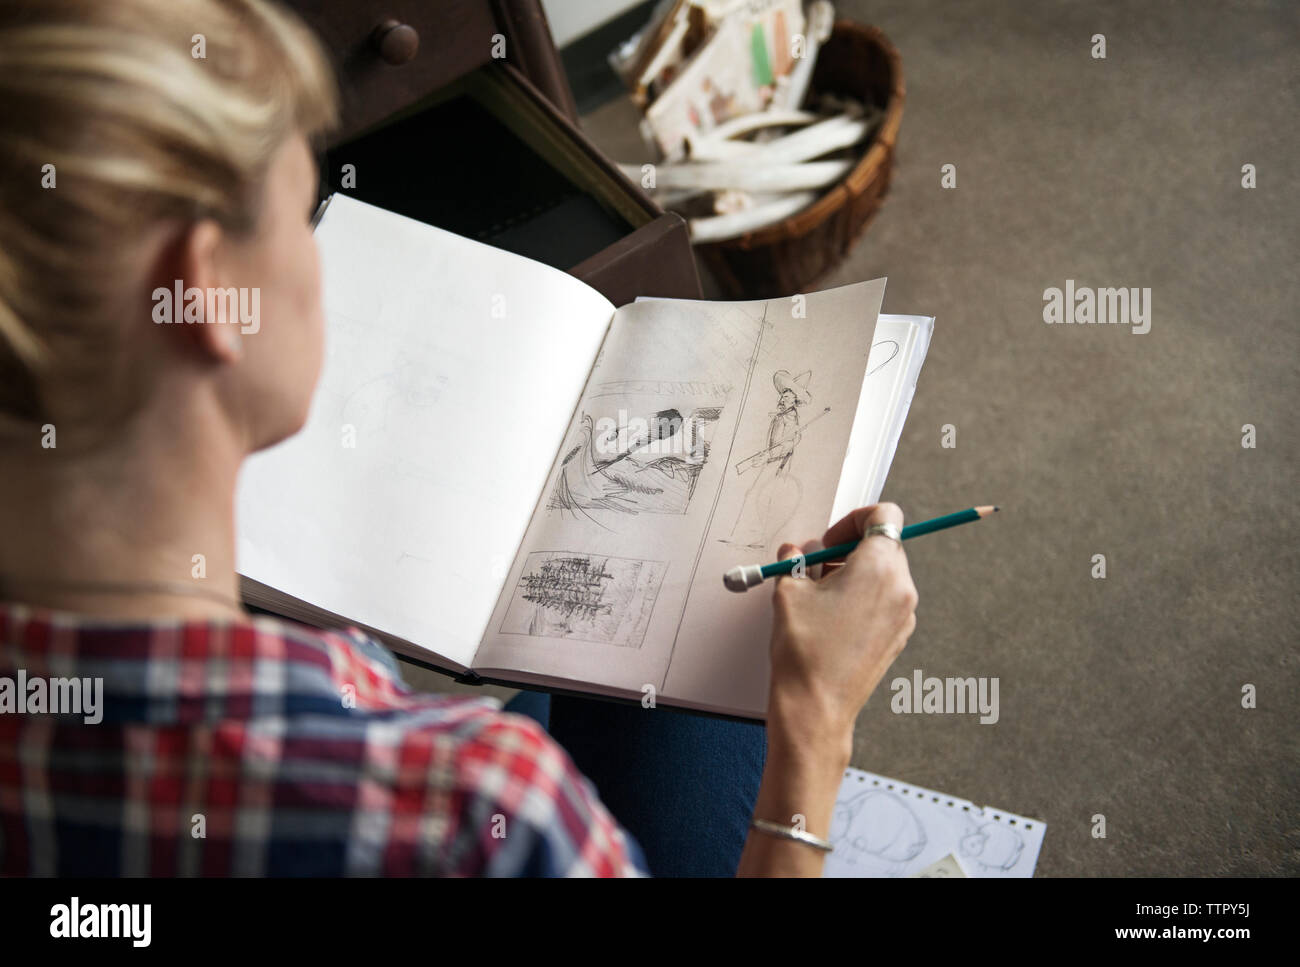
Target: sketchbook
[[886, 828], [505, 476]]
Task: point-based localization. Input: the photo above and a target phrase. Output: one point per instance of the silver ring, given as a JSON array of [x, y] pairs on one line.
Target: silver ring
[[884, 530]]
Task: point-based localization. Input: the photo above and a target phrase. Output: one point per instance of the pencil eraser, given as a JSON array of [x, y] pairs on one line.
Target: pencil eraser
[[742, 577]]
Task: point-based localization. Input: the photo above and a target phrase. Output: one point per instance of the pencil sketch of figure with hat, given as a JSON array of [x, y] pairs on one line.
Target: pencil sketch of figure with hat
[[774, 493]]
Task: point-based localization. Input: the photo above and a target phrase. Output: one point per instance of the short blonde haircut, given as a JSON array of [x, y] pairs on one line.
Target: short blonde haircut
[[140, 130]]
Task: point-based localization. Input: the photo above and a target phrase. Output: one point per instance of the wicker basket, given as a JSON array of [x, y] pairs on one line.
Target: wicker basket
[[785, 257]]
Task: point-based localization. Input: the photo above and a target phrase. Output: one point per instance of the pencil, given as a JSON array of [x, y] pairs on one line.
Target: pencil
[[742, 577]]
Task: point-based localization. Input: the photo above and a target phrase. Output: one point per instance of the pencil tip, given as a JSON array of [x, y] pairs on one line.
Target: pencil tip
[[996, 509]]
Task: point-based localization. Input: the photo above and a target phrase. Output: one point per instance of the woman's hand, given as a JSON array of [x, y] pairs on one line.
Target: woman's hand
[[835, 637]]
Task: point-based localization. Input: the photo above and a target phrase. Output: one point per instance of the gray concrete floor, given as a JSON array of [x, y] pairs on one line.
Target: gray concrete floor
[[1122, 696]]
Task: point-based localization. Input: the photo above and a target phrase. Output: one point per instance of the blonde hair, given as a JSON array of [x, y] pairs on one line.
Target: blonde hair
[[148, 111]]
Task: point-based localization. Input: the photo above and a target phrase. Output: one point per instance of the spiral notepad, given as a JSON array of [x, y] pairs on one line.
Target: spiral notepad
[[885, 827]]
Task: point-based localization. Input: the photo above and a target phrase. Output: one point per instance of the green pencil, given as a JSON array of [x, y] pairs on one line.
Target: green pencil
[[742, 577]]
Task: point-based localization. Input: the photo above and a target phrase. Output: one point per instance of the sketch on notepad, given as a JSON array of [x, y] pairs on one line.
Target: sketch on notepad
[[992, 847], [586, 597], [884, 828], [630, 459], [774, 491], [878, 831]]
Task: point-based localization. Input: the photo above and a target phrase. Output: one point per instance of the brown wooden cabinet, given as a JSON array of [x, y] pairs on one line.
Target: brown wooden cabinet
[[438, 128]]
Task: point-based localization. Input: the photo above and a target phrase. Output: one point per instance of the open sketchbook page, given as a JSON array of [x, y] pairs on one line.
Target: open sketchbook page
[[707, 435], [898, 351], [452, 369], [886, 828]]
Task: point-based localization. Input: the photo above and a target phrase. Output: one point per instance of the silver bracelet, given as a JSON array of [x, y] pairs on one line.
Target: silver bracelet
[[789, 832]]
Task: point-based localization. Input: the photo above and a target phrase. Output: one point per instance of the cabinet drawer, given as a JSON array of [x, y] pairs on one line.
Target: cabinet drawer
[[452, 38]]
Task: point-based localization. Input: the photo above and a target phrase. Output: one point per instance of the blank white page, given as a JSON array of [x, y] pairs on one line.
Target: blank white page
[[452, 370]]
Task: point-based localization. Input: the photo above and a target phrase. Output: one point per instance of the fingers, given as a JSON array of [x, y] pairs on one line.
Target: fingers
[[879, 560], [784, 553], [789, 587], [788, 550], [812, 547], [855, 524]]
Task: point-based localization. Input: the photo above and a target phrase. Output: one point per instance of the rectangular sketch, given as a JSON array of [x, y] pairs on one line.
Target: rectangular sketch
[[586, 597], [886, 828], [640, 448]]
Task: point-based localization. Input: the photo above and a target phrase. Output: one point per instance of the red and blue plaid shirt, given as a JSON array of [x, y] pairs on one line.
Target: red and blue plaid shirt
[[266, 748]]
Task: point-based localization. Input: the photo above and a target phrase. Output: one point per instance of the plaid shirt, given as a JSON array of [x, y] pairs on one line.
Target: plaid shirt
[[266, 748]]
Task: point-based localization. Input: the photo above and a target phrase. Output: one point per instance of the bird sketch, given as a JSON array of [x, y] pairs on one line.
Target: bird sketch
[[774, 491], [588, 597]]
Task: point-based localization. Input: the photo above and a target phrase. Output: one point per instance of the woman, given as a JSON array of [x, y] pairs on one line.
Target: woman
[[149, 141]]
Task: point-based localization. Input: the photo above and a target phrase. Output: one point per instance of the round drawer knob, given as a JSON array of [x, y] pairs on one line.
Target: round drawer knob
[[396, 42]]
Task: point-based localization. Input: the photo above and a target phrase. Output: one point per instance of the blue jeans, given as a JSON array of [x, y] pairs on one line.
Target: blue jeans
[[683, 785]]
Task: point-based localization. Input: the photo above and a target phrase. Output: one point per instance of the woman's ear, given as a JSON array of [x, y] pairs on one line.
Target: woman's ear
[[191, 270]]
